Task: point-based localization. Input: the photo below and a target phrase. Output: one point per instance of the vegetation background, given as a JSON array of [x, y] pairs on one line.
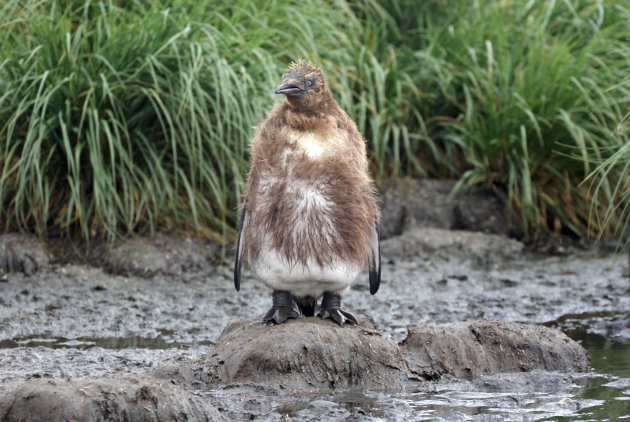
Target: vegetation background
[[126, 116]]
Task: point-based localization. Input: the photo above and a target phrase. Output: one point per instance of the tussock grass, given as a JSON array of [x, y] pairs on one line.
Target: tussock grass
[[531, 93], [117, 119], [610, 182], [121, 117]]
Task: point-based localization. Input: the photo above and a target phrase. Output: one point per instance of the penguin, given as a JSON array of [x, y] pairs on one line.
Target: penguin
[[309, 219]]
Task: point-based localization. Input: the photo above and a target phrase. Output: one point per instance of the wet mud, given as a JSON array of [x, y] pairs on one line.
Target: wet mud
[[63, 322], [122, 398]]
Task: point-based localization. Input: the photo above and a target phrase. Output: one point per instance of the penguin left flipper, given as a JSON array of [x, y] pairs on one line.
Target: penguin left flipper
[[374, 261], [238, 263]]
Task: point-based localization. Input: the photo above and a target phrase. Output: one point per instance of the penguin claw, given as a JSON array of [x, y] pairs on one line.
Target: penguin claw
[[278, 315], [283, 308], [340, 316]]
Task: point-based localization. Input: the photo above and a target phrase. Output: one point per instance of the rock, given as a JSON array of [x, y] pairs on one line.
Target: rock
[[481, 210], [21, 253], [303, 354], [408, 203], [164, 254], [470, 349], [423, 243], [124, 398]]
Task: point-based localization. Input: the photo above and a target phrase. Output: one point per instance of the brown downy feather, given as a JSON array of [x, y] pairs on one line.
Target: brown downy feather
[[281, 170]]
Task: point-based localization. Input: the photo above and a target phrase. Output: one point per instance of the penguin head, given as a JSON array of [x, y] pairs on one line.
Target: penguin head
[[304, 85]]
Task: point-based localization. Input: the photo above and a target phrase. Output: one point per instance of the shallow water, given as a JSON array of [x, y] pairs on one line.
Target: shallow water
[[611, 361], [76, 321]]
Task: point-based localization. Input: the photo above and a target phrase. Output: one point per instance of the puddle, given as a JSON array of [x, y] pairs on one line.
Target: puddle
[[609, 358]]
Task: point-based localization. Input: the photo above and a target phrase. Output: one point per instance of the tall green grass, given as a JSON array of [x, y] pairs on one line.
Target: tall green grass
[[610, 183], [119, 117], [530, 94]]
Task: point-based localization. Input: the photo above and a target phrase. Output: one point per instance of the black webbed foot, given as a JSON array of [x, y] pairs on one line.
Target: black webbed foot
[[283, 308], [331, 308]]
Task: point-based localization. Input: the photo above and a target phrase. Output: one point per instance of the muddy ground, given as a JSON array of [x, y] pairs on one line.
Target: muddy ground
[[67, 321], [70, 321]]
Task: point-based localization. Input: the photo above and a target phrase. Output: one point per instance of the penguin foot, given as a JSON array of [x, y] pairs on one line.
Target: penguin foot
[[340, 316], [283, 308], [331, 308]]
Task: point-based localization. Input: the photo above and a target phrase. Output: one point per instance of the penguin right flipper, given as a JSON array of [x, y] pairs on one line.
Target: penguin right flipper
[[239, 247], [374, 261]]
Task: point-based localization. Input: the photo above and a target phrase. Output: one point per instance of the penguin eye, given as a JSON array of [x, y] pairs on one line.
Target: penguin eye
[[310, 82]]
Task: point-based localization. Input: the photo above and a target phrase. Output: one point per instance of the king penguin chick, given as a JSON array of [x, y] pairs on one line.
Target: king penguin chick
[[309, 221]]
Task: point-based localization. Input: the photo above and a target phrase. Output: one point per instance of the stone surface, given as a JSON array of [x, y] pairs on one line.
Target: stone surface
[[481, 210], [22, 253], [302, 354], [123, 398], [470, 349], [162, 254], [407, 203], [420, 243]]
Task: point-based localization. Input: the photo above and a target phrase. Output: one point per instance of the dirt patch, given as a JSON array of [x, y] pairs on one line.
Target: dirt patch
[[470, 349], [304, 354], [124, 398]]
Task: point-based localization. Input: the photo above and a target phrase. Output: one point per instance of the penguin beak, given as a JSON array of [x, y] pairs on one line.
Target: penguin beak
[[288, 88]]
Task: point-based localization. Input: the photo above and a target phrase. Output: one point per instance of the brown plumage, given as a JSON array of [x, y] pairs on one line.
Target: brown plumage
[[309, 219]]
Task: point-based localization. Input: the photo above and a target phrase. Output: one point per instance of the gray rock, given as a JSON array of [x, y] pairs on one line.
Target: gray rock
[[21, 253], [470, 349], [408, 203], [304, 354], [163, 254], [124, 398], [481, 210], [432, 243]]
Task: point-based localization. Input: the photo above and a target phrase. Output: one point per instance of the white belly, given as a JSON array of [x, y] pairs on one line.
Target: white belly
[[311, 227], [304, 280]]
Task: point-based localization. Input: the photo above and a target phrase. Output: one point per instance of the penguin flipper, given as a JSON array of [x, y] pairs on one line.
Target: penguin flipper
[[238, 263], [374, 261]]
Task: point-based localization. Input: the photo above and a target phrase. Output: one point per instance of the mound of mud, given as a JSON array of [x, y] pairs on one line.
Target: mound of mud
[[302, 354], [125, 398], [470, 349], [311, 354]]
